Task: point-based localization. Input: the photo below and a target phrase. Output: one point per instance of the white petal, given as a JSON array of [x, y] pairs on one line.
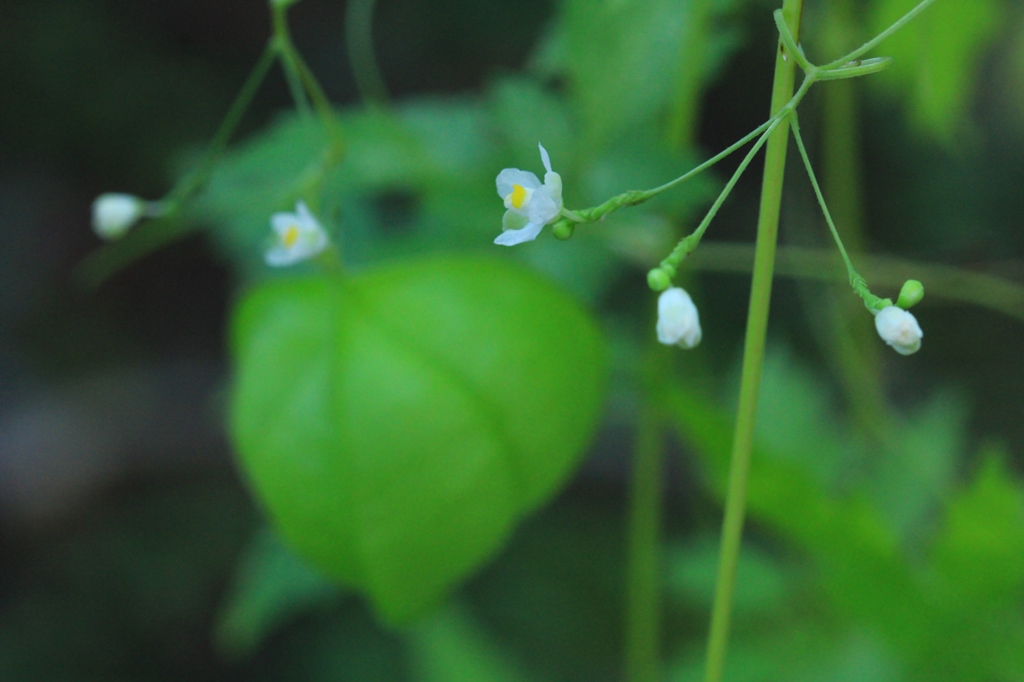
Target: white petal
[[543, 208], [513, 237], [514, 176], [306, 219], [281, 222], [553, 183], [278, 256], [513, 220], [545, 157]]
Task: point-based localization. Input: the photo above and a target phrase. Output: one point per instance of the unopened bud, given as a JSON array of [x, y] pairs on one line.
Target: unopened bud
[[658, 280], [911, 294], [563, 229], [114, 214], [678, 321], [899, 329]]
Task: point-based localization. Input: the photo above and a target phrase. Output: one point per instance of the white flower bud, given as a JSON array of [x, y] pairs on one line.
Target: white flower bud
[[114, 214], [678, 322], [899, 329]]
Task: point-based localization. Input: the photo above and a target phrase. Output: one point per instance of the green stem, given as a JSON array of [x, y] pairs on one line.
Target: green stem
[[359, 36], [635, 197], [859, 284], [155, 234], [643, 615], [688, 244], [753, 355], [944, 281], [874, 42], [289, 63], [196, 179], [845, 339]]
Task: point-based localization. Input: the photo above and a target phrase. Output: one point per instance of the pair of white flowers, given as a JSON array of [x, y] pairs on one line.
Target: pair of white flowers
[[298, 236]]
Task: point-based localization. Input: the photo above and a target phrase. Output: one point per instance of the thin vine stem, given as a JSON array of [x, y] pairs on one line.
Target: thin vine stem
[[877, 40], [289, 62], [753, 355], [359, 37], [795, 127]]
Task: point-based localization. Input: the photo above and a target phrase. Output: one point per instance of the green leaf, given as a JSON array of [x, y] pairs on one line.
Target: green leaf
[[624, 59], [911, 482], [398, 425], [760, 583], [451, 646], [937, 58], [981, 548], [271, 586]]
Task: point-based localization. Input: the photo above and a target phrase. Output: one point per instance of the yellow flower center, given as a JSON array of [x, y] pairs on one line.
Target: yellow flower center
[[518, 196], [290, 236]]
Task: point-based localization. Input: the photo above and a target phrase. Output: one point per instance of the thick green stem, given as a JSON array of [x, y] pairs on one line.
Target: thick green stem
[[753, 354], [643, 631]]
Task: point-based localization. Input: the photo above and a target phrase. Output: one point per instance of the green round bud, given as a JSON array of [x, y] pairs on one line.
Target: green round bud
[[911, 294], [563, 229], [658, 280]]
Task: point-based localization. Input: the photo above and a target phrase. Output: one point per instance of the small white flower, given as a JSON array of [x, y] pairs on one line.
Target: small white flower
[[899, 329], [298, 236], [678, 321], [530, 204], [114, 214]]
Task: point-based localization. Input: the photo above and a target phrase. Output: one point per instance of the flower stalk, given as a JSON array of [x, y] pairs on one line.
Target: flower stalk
[[753, 352]]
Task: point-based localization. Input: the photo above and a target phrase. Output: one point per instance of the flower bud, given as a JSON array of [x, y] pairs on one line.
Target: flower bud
[[899, 329], [114, 214], [563, 229], [911, 294], [678, 322], [658, 280]]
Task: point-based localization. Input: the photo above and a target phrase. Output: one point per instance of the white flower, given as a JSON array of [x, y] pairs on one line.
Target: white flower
[[298, 236], [114, 214], [678, 322], [899, 329], [530, 204]]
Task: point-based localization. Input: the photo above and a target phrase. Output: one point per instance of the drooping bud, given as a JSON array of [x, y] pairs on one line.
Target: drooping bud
[[678, 321], [899, 329]]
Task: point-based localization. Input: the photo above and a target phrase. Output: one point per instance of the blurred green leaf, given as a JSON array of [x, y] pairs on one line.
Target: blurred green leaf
[[760, 580], [450, 647], [937, 58], [797, 654], [911, 481], [797, 422], [980, 550], [271, 586], [398, 425]]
